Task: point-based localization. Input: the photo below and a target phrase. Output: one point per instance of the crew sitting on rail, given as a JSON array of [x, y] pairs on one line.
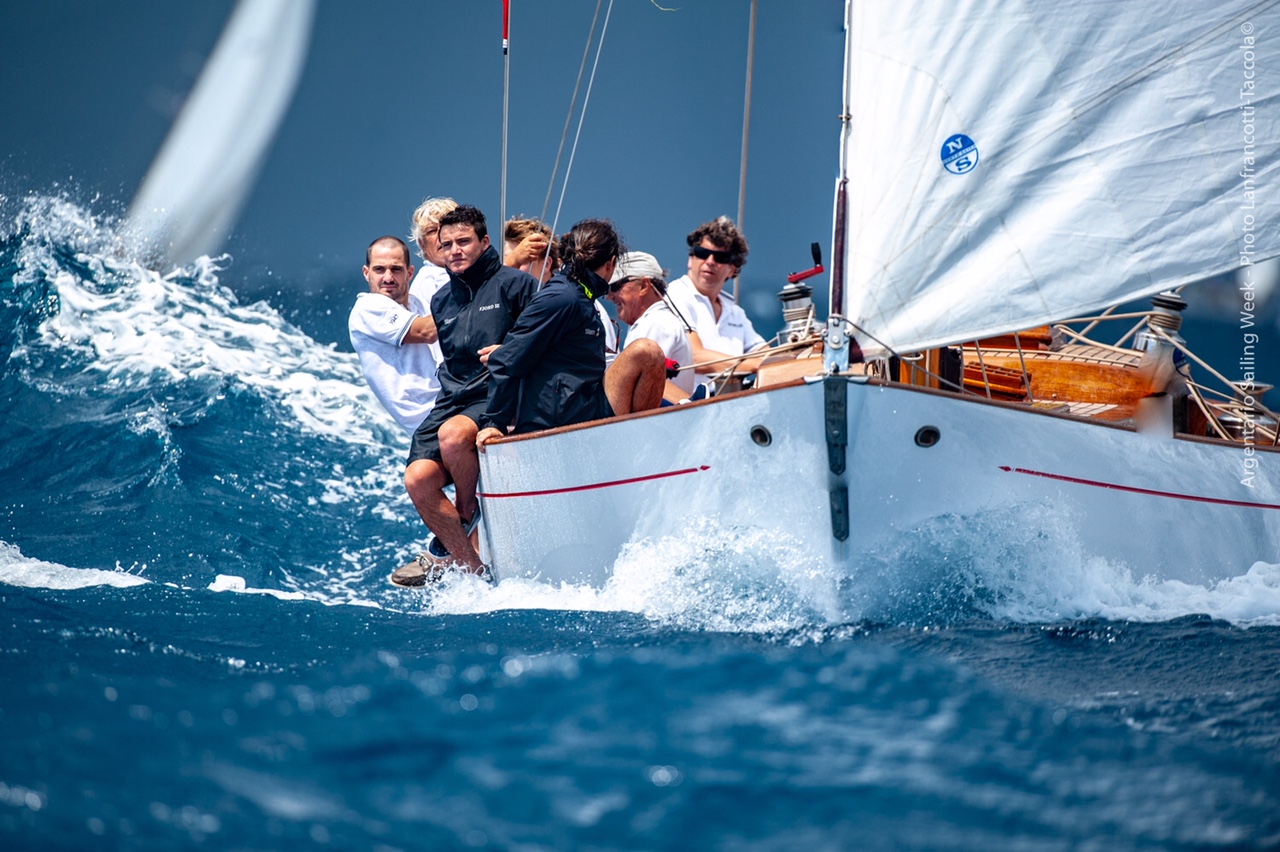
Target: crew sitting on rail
[[550, 369], [636, 290], [721, 329]]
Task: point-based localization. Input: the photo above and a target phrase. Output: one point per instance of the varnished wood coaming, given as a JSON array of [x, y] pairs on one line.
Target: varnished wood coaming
[[1074, 374], [1075, 380]]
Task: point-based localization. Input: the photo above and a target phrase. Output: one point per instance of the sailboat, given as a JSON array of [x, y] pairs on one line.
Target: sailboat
[[192, 195], [1015, 178]]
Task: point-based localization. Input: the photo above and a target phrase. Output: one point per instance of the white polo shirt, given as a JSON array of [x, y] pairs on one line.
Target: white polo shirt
[[733, 334], [401, 375], [663, 327], [610, 334]]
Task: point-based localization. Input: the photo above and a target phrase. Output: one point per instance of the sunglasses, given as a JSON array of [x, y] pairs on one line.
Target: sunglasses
[[619, 284], [702, 253]]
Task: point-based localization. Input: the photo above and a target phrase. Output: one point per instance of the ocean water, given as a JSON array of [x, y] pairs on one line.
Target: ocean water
[[199, 504]]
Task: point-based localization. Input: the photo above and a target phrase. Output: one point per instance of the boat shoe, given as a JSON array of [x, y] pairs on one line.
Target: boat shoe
[[436, 547], [424, 569]]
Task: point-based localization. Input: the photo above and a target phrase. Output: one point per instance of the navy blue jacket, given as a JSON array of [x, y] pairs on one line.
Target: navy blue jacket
[[549, 370], [472, 311]]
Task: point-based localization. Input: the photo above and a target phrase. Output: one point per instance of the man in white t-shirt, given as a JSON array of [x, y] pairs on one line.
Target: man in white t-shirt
[[721, 329], [432, 275], [636, 290], [391, 331]]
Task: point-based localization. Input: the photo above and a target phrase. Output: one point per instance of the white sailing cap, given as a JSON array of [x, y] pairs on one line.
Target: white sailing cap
[[637, 264]]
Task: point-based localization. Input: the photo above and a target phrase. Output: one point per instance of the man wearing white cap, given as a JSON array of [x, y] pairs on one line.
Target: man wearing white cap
[[636, 290]]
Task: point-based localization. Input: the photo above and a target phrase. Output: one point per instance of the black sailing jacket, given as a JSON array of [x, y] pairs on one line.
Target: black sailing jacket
[[472, 311], [549, 370]]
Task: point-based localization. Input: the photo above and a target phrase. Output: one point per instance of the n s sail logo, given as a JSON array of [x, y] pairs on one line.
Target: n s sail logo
[[959, 154]]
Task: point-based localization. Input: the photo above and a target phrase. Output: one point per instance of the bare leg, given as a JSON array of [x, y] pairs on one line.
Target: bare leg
[[637, 378], [458, 448], [425, 480], [673, 393]]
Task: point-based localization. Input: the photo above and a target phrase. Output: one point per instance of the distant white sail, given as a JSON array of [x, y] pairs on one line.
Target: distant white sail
[[1016, 162], [194, 191]]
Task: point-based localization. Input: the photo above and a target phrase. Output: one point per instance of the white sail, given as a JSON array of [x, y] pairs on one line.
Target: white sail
[[198, 183], [1016, 162]]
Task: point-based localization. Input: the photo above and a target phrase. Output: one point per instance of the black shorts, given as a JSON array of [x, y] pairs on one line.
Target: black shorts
[[425, 443]]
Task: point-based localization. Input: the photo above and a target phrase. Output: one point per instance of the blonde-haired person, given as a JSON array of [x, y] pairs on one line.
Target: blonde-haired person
[[426, 235]]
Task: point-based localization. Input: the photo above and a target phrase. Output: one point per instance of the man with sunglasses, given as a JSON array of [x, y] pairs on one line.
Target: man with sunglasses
[[721, 329]]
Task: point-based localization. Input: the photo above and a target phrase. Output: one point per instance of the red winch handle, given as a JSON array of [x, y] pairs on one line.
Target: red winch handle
[[797, 277]]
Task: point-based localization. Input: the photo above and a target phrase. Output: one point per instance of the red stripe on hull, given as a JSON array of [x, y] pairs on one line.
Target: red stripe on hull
[[1173, 495], [489, 495]]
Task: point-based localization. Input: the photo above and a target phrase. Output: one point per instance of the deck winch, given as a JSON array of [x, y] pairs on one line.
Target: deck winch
[[797, 312], [797, 301], [1163, 358]]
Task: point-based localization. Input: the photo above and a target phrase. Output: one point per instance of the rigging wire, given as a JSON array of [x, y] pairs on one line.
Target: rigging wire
[[506, 100], [582, 116], [568, 119]]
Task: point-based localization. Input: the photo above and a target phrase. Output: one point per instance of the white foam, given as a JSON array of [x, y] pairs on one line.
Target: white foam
[[232, 583], [744, 581], [19, 570], [1252, 598], [1051, 578], [720, 580], [138, 326]]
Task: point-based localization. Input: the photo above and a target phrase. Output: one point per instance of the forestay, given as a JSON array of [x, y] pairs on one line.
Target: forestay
[[1016, 162]]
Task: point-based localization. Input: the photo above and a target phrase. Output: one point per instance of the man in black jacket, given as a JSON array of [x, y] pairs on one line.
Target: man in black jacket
[[473, 314]]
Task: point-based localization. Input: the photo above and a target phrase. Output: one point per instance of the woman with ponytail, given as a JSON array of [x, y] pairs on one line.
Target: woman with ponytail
[[550, 369]]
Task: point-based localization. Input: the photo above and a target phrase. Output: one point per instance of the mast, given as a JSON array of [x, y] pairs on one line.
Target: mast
[[506, 96], [836, 349], [746, 128]]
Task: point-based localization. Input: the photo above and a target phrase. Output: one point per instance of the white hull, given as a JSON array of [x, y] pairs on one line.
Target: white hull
[[563, 505]]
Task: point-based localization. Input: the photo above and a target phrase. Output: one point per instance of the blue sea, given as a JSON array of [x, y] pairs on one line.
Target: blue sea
[[200, 501]]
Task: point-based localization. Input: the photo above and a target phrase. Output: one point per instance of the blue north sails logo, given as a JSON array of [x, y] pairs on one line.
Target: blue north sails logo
[[959, 154]]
